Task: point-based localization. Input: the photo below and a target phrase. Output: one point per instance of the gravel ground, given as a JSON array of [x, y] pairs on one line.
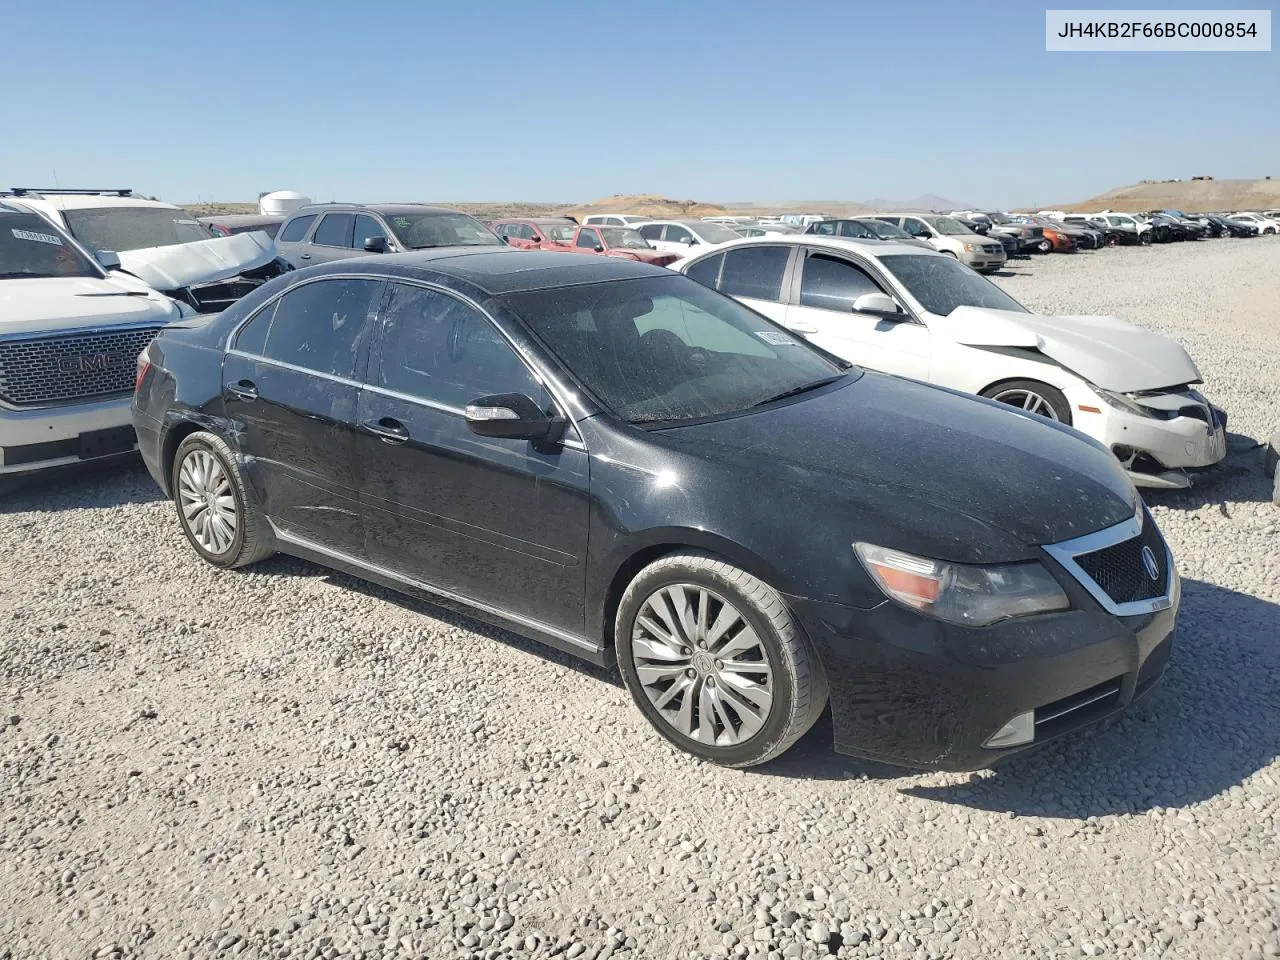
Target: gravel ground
[[286, 762]]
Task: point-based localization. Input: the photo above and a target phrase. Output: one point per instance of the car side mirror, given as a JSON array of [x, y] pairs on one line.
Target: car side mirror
[[512, 416], [878, 305], [108, 259], [598, 248], [375, 244], [689, 241]]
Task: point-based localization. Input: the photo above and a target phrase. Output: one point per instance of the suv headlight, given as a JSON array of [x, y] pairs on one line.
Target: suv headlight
[[972, 247], [1120, 402], [962, 593]]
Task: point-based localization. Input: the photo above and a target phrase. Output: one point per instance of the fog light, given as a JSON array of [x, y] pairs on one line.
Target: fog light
[[1021, 729]]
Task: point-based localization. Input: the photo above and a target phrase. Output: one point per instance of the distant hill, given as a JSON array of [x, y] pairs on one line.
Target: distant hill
[[927, 201], [650, 205], [1192, 196]]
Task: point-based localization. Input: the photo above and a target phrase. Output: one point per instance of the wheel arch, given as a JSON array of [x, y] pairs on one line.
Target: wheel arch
[[663, 543]]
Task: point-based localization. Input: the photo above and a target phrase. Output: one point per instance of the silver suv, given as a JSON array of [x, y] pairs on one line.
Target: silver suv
[[70, 335]]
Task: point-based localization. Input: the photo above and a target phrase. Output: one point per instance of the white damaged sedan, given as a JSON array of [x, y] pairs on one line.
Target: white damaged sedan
[[919, 314]]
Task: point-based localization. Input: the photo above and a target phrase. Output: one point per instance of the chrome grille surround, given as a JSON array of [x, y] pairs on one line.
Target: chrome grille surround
[[1066, 552], [48, 369]]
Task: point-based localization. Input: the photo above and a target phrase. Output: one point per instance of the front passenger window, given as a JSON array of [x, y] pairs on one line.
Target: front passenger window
[[436, 347], [651, 231], [587, 239], [833, 284]]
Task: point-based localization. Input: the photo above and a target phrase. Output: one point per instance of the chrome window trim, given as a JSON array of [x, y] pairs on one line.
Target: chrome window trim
[[573, 639], [418, 401], [231, 337], [283, 365], [1066, 552]]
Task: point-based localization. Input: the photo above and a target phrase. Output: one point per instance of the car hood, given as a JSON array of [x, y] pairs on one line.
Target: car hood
[[1107, 351], [54, 304], [202, 261], [933, 471]]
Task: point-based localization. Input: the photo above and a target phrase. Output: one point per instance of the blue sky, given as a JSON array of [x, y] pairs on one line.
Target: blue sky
[[569, 101]]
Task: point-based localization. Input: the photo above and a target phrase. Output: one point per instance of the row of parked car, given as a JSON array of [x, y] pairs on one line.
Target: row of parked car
[[562, 444]]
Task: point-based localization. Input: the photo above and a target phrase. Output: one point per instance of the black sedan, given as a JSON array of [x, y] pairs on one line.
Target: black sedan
[[615, 460]]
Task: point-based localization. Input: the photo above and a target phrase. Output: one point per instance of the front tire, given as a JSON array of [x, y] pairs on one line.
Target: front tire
[[716, 661], [1033, 397], [1045, 246], [216, 508]]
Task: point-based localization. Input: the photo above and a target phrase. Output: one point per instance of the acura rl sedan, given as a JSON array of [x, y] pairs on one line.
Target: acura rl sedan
[[613, 459]]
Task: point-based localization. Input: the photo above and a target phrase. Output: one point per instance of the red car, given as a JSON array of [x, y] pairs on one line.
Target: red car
[[624, 242], [546, 233]]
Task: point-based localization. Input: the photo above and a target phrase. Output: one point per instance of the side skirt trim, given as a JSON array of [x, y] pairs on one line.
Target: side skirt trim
[[554, 636]]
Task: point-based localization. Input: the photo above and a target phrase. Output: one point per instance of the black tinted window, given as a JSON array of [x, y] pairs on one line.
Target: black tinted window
[[438, 348], [833, 284], [252, 337], [319, 326], [826, 228], [707, 271], [754, 272], [651, 231], [335, 230], [367, 227], [296, 228], [587, 238]]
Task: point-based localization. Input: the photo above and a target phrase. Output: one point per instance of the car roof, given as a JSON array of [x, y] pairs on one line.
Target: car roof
[[239, 219], [386, 209], [495, 270], [79, 201], [867, 248]]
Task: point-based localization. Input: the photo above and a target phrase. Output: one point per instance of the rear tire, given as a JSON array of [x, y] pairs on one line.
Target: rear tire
[[691, 631], [1032, 396], [1045, 246], [216, 508]]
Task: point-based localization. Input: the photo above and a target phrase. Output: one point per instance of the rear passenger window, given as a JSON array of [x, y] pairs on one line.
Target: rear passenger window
[[826, 228], [833, 284], [320, 326], [651, 231], [707, 271], [754, 272], [335, 230], [296, 228], [438, 348]]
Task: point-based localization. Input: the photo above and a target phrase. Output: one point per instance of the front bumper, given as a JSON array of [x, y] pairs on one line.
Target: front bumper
[[34, 439], [912, 691], [984, 261]]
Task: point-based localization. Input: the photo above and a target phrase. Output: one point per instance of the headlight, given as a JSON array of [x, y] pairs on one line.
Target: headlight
[[1120, 402], [972, 247], [961, 593]]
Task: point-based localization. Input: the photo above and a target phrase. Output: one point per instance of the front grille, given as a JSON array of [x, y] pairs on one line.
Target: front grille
[[1119, 569], [991, 248], [78, 366]]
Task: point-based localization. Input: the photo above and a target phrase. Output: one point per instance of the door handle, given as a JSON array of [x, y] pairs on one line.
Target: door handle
[[304, 256], [388, 429], [802, 326], [245, 390]]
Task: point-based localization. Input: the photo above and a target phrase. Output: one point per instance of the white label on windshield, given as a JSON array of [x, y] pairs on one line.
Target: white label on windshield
[[37, 237], [775, 338], [188, 222]]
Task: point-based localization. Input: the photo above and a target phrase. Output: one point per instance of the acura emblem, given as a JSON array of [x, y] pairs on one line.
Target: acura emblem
[[1149, 561]]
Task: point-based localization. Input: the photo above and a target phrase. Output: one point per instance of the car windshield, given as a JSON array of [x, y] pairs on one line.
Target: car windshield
[[30, 247], [559, 232], [417, 231], [885, 231], [998, 218], [948, 226], [134, 228], [624, 237], [714, 232], [942, 283], [663, 349]]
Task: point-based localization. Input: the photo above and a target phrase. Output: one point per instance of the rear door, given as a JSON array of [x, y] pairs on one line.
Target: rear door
[[829, 285], [755, 276], [291, 240], [291, 382], [494, 521]]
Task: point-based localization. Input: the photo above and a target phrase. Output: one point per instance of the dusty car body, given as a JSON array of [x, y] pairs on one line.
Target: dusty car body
[[622, 242], [536, 233], [160, 244]]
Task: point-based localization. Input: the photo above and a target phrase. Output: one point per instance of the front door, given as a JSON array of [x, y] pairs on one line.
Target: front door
[[829, 285], [497, 521], [290, 388]]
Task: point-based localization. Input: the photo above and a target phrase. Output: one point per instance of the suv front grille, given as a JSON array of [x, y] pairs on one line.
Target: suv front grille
[[79, 366], [1120, 571]]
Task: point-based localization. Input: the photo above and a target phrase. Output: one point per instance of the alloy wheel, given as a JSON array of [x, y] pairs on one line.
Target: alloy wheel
[[701, 665], [1027, 400], [207, 501]]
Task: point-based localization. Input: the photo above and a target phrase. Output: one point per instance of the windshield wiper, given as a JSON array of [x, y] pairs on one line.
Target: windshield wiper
[[803, 388]]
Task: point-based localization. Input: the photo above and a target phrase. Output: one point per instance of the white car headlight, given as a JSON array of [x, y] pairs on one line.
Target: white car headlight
[[1120, 402], [962, 593], [971, 248]]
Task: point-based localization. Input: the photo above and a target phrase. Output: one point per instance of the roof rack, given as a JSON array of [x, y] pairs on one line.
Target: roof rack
[[23, 191]]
